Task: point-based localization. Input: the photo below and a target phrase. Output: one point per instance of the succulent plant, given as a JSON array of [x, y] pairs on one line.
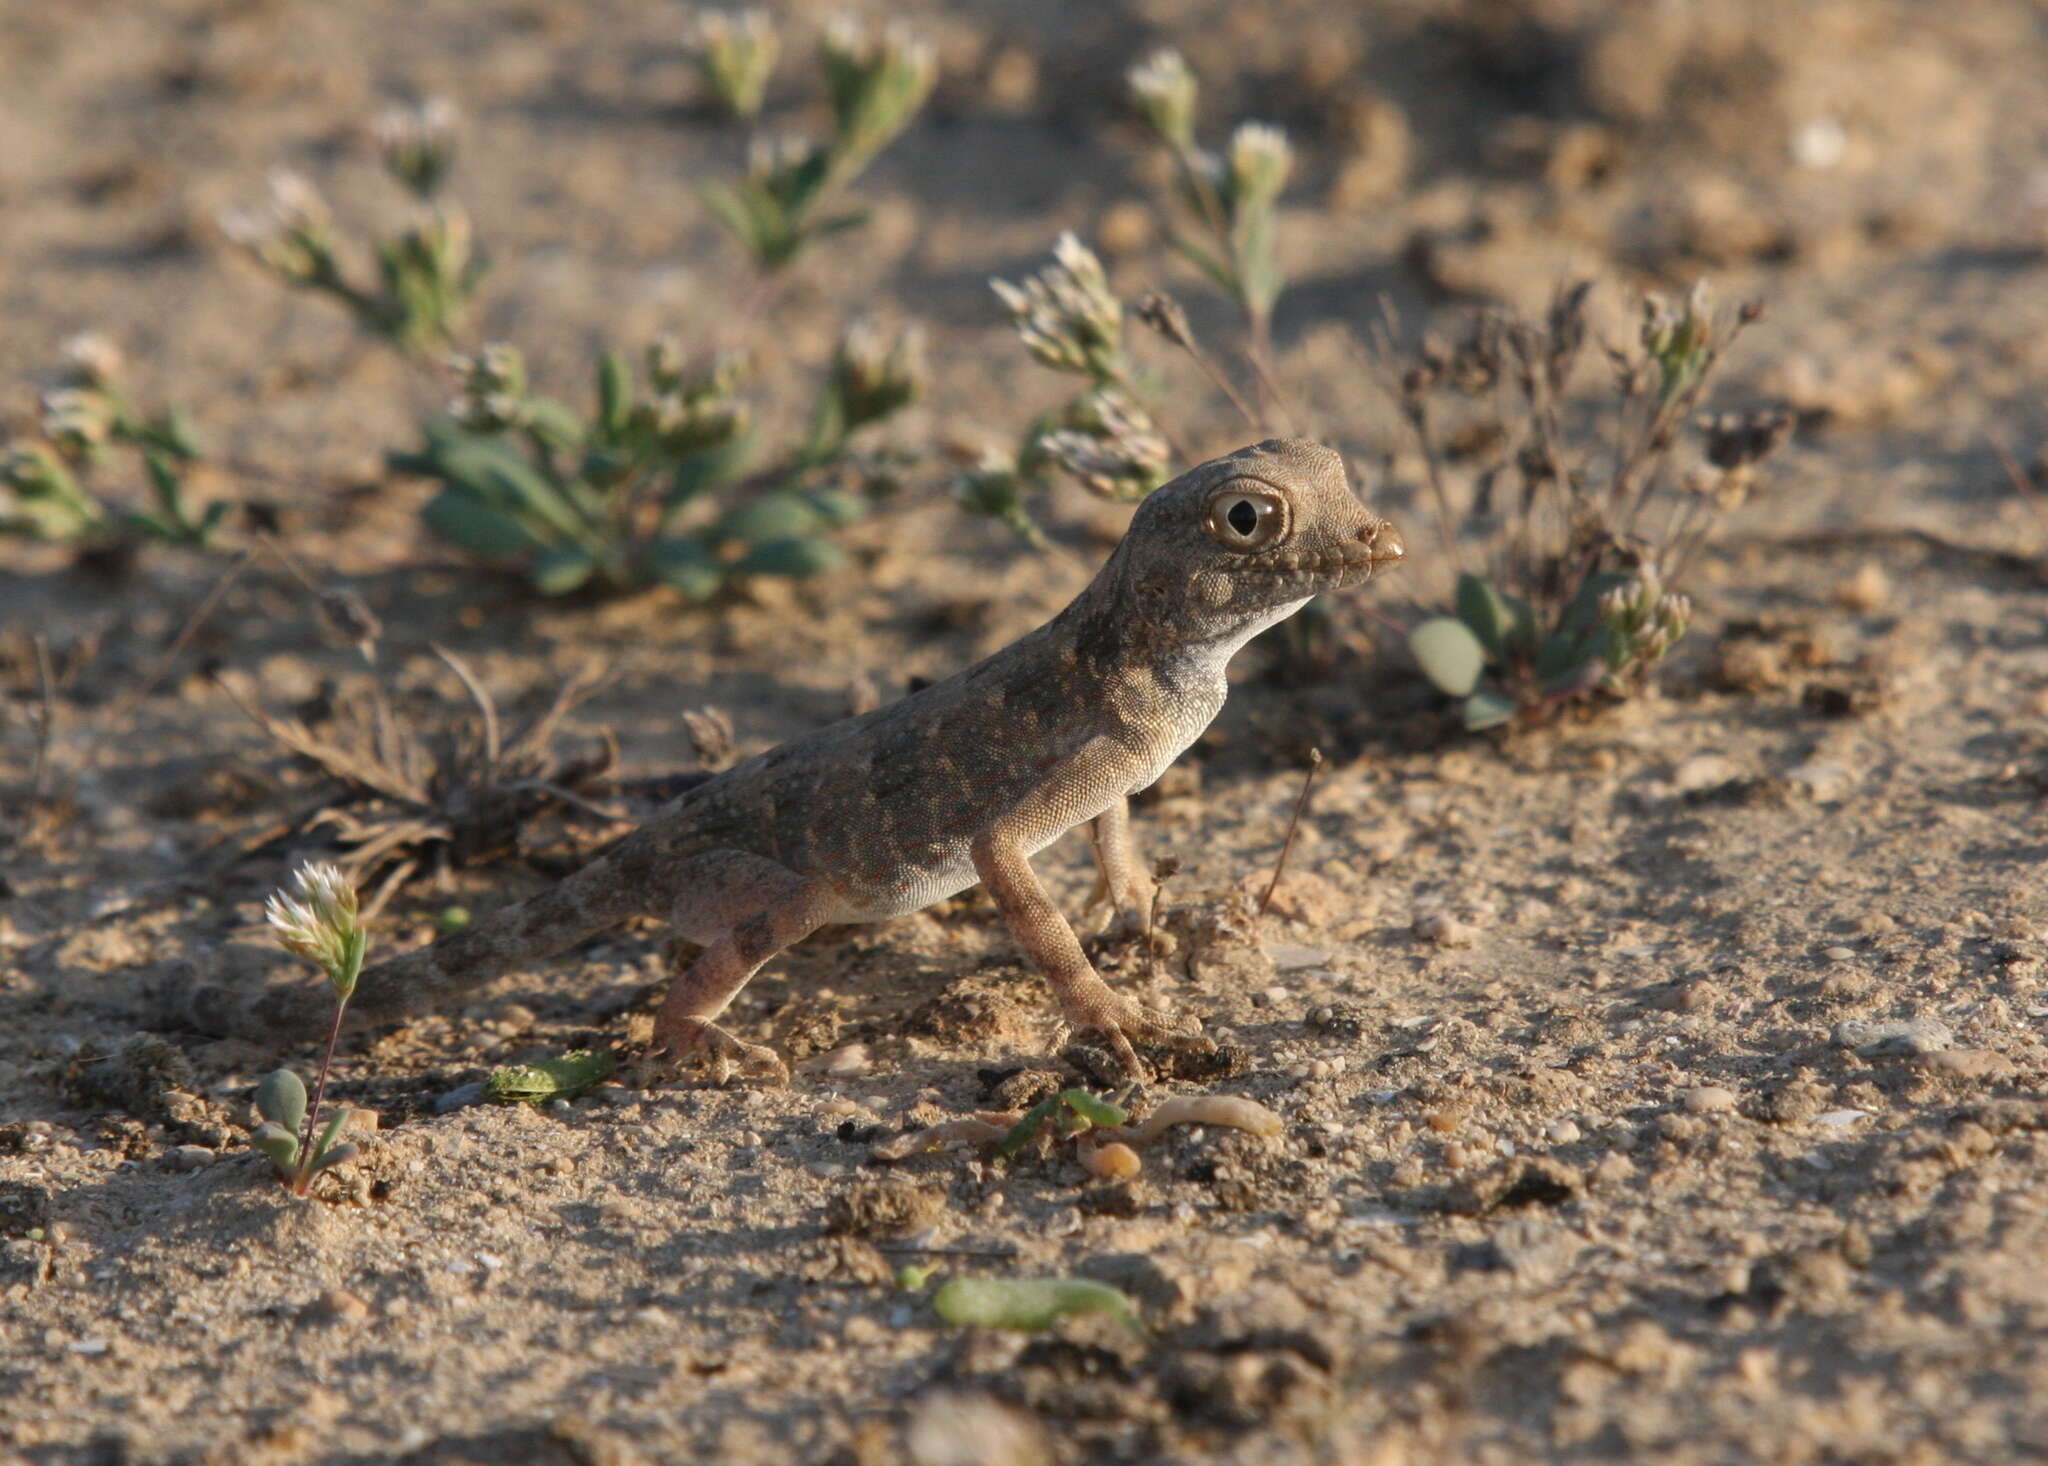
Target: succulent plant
[[653, 486], [87, 421]]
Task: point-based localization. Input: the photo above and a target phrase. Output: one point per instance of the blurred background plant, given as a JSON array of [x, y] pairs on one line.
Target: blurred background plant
[[1108, 436], [88, 422], [656, 485], [426, 274], [876, 83], [734, 53], [1588, 515]]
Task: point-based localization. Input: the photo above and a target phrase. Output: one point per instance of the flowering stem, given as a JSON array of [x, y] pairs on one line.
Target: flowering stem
[[303, 1181]]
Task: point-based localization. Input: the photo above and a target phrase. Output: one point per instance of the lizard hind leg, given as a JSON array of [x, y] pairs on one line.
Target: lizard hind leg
[[742, 909], [1121, 881]]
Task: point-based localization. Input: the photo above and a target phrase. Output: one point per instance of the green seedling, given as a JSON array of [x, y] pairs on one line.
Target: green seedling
[[322, 924], [735, 55], [1071, 1112], [652, 485], [550, 1079], [1029, 1303], [784, 203], [425, 276], [915, 1277], [1228, 201], [88, 422]]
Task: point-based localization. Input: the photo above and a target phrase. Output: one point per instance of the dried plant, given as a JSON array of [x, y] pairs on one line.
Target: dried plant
[[656, 486], [427, 793], [1590, 520], [87, 423], [876, 84], [426, 274]]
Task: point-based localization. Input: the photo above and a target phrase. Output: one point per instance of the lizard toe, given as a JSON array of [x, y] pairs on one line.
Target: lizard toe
[[695, 1037]]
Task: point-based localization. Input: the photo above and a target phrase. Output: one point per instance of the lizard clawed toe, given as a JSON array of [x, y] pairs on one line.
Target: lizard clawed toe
[[1124, 1022], [686, 1037]]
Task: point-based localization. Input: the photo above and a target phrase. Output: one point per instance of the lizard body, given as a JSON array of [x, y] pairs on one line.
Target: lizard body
[[964, 780]]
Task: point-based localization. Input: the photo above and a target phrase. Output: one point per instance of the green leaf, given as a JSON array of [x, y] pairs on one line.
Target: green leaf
[[459, 518], [686, 566], [562, 1078], [341, 1155], [1564, 652], [1449, 654], [838, 507], [559, 572], [554, 424], [614, 396], [281, 1099], [1487, 709], [713, 468], [1027, 1303], [1485, 610], [777, 516], [796, 557], [336, 1123], [1097, 1112], [278, 1143]]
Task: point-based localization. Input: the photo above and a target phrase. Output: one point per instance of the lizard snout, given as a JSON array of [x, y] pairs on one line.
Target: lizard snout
[[1382, 542]]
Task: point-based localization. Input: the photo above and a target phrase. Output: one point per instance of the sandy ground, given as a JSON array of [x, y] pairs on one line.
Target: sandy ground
[[1660, 1086]]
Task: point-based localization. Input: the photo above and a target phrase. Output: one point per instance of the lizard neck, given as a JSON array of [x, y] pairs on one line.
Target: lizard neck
[[1154, 670]]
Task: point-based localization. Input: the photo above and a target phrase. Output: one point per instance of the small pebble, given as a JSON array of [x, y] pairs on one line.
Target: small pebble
[[460, 1097], [1838, 1119], [339, 1305], [1443, 930], [1704, 771], [189, 1157], [1708, 1099], [1893, 1036], [1562, 1132], [1865, 591], [1274, 996]]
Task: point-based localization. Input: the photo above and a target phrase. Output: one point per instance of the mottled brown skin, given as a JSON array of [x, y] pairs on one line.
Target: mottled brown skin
[[964, 780]]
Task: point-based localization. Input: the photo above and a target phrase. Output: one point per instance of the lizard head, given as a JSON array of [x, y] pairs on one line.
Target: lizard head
[[1240, 542]]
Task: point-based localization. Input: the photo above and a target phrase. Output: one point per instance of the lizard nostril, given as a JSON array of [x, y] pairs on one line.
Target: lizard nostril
[[1383, 540]]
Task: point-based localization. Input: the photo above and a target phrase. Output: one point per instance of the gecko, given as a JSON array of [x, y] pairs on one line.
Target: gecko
[[962, 781]]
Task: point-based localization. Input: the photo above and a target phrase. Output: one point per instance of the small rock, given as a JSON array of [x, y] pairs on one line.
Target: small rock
[[1290, 958], [1273, 996], [188, 1157], [1443, 930], [1840, 1119], [1563, 1132], [1707, 1099], [1704, 771], [1865, 591], [1893, 1036], [1825, 782], [338, 1305], [460, 1097]]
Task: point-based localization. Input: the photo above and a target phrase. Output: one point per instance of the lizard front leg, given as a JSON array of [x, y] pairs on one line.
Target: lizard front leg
[[743, 909], [1121, 879], [1085, 1000]]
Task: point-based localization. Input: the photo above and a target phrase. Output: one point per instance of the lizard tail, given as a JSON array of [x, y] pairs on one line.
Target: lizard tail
[[579, 906]]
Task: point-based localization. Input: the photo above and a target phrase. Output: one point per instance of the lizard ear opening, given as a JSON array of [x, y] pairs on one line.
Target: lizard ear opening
[[1246, 517]]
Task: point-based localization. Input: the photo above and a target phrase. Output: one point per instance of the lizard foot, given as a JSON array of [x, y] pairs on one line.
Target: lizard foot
[[1122, 1021], [677, 1041]]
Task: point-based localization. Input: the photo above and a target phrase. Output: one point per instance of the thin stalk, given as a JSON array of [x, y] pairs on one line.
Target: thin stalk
[[1315, 761], [302, 1182]]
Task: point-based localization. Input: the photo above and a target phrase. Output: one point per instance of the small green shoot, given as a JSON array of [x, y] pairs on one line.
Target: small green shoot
[[735, 54], [651, 486], [782, 205], [915, 1277], [550, 1079], [86, 419], [321, 923], [425, 275], [1029, 1303], [1071, 1112]]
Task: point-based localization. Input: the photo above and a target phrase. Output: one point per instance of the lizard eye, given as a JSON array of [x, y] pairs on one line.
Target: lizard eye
[[1246, 518]]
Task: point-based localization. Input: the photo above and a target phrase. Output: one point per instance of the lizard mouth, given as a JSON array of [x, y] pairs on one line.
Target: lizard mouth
[[1379, 544]]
